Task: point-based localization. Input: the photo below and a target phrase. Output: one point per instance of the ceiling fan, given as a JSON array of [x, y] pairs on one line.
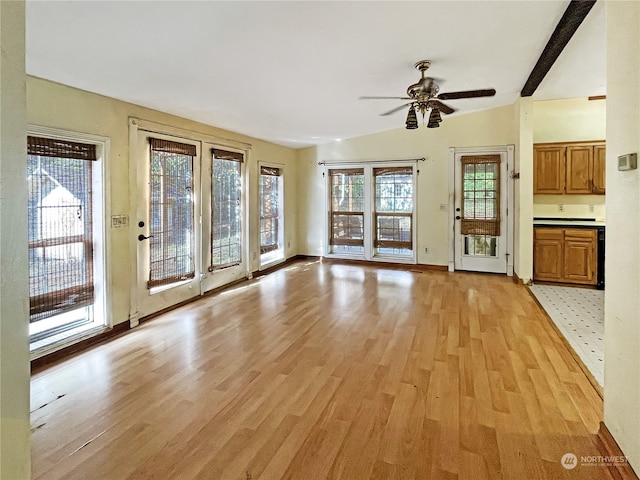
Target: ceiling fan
[[424, 95]]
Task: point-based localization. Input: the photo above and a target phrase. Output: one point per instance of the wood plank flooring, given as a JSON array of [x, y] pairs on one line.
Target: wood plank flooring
[[325, 371]]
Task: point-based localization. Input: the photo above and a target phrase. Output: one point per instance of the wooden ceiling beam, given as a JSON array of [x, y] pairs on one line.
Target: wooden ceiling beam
[[573, 16]]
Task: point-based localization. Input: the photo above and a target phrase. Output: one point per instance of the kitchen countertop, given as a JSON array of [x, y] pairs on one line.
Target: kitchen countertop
[[568, 222]]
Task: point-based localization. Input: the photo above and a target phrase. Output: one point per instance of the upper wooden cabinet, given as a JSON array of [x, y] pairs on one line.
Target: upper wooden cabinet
[[569, 168], [548, 168], [599, 168]]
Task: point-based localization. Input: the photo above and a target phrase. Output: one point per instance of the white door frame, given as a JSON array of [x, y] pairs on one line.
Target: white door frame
[[500, 149]]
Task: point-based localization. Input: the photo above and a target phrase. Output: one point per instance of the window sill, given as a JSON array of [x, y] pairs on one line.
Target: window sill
[[271, 258], [57, 342]]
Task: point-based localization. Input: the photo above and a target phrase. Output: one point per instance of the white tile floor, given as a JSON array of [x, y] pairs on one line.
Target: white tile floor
[[579, 315]]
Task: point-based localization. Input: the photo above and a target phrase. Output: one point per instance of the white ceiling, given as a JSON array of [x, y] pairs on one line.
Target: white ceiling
[[291, 72]]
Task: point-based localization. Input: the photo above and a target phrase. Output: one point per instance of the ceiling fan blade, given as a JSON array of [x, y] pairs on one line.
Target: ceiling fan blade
[[441, 106], [467, 94], [394, 110], [385, 98]]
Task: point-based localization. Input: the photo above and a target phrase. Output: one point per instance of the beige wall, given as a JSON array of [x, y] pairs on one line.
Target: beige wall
[[569, 120], [14, 283], [622, 294], [58, 106], [477, 129]]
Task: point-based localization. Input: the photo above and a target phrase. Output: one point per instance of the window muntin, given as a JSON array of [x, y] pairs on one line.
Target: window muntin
[[393, 217], [347, 210], [60, 210], [270, 210], [226, 209], [171, 213]]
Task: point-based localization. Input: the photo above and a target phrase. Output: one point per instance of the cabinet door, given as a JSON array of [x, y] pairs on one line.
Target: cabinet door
[[580, 256], [599, 168], [579, 169], [547, 254], [548, 169]]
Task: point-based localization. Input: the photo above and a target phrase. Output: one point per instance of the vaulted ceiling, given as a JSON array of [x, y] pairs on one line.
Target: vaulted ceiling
[[292, 72]]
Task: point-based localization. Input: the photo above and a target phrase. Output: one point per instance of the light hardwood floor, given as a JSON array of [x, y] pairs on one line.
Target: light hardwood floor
[[323, 371]]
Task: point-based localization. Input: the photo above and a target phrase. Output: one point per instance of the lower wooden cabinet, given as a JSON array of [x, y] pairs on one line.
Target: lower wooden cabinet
[[548, 246], [565, 255]]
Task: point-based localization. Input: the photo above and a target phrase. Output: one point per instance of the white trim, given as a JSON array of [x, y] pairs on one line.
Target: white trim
[[134, 313], [452, 206], [160, 128], [508, 150]]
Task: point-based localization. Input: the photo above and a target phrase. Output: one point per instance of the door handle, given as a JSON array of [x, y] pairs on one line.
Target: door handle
[[458, 217], [141, 237]]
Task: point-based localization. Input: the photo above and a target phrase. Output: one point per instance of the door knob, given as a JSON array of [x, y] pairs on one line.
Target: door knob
[[458, 217]]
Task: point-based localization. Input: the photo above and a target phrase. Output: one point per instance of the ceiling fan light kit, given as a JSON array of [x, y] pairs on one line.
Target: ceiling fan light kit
[[424, 95], [412, 119]]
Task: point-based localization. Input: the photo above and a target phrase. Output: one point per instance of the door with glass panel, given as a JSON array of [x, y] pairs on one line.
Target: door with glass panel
[[346, 211], [393, 213], [271, 215], [223, 221], [481, 212], [167, 225]]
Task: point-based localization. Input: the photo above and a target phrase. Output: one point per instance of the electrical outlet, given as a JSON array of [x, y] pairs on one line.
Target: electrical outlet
[[426, 250], [255, 255], [443, 207], [590, 208], [560, 207]]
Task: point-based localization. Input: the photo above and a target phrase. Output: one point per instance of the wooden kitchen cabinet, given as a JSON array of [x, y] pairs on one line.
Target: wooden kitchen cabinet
[[579, 169], [565, 255], [569, 168], [548, 250], [549, 169], [580, 255], [599, 168]]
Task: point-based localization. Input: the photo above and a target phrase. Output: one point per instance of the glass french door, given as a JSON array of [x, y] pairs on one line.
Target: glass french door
[[481, 211], [190, 226], [223, 219], [166, 230], [371, 212]]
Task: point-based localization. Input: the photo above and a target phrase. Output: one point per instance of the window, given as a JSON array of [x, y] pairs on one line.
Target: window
[[171, 213], [226, 209], [61, 176], [393, 210], [346, 210], [271, 214], [480, 222]]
